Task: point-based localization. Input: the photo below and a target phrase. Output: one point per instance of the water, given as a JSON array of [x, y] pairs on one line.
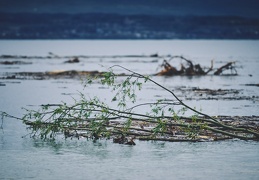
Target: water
[[146, 160], [25, 158]]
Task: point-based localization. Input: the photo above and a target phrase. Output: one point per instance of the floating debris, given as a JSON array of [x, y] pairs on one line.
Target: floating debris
[[75, 60], [192, 69], [14, 62]]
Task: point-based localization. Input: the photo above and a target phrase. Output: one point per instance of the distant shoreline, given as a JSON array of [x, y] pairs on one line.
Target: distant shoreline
[[97, 26]]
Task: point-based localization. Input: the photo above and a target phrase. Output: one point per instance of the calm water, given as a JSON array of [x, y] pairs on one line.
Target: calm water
[[25, 158]]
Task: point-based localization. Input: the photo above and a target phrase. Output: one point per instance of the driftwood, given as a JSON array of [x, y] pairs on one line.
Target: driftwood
[[192, 69], [52, 74], [179, 130], [226, 66], [93, 119], [75, 60], [14, 62], [189, 69]]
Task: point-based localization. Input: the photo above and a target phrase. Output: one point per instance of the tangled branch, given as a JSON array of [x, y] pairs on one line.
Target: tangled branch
[[91, 118]]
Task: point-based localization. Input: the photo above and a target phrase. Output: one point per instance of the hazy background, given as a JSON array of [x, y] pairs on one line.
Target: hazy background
[[245, 8], [129, 19]]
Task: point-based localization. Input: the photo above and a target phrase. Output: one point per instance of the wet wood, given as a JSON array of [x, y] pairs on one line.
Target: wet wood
[[229, 65], [75, 60], [14, 62], [192, 69]]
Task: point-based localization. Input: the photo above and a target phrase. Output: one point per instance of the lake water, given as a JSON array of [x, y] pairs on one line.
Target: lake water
[[25, 158]]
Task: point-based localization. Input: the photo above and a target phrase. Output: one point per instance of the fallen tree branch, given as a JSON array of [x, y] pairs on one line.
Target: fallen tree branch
[[94, 119], [225, 67], [191, 69]]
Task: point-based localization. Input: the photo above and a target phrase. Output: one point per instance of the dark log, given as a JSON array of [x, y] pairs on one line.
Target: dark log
[[191, 70], [226, 66], [75, 60], [169, 70]]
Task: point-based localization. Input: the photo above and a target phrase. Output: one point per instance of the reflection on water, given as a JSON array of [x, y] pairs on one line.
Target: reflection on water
[[155, 160], [26, 158], [81, 159]]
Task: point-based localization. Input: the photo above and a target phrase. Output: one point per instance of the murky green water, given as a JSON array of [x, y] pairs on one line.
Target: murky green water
[[26, 158]]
